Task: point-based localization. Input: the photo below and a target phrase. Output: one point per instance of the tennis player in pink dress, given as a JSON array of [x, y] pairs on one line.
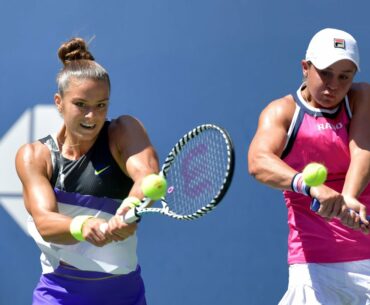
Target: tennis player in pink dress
[[327, 120]]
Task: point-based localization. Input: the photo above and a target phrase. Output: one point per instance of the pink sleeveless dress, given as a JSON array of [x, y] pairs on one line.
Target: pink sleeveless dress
[[321, 135]]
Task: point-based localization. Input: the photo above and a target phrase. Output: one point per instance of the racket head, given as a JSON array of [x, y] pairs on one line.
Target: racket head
[[199, 171]]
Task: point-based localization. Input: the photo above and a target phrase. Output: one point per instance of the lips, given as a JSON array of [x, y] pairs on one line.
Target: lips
[[88, 125]]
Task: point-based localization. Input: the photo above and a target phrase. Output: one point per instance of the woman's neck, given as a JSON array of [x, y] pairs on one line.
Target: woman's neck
[[71, 149]]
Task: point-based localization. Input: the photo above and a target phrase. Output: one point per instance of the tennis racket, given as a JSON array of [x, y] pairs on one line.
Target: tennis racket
[[198, 171]]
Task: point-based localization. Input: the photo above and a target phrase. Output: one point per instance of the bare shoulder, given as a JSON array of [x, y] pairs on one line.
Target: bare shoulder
[[125, 125], [284, 104], [359, 96], [273, 125], [127, 137], [360, 87], [33, 151], [33, 157], [280, 110]]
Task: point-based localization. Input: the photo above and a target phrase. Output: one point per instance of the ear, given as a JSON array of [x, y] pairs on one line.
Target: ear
[[58, 102], [305, 66]]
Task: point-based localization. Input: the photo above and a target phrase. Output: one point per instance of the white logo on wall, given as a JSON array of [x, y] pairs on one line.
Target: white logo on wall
[[33, 124]]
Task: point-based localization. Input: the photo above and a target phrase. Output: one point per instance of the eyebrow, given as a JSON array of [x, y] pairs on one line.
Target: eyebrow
[[344, 71], [86, 101]]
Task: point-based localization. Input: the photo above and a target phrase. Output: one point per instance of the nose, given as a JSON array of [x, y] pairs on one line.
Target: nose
[[332, 83], [89, 112]]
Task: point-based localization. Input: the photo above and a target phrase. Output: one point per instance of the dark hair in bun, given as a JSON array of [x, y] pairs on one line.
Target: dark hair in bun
[[74, 49], [78, 63]]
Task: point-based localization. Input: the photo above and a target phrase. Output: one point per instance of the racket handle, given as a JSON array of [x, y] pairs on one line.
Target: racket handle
[[131, 216], [315, 205]]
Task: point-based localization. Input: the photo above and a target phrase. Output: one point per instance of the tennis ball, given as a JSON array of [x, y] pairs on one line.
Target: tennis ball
[[314, 174], [154, 186]]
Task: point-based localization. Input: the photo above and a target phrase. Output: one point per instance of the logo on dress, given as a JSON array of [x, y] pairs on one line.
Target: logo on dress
[[325, 126], [100, 171]]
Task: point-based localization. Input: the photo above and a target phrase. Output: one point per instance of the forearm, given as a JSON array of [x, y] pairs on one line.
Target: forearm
[[139, 166], [54, 227], [271, 170]]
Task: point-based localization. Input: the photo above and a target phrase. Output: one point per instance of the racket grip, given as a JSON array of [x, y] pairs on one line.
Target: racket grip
[[315, 205], [131, 216]]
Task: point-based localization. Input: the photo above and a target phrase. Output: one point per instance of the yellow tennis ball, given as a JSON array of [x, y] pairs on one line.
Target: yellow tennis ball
[[314, 174], [154, 186]]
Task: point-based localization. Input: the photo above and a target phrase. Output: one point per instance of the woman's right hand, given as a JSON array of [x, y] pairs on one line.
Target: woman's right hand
[[332, 203], [116, 229], [349, 210], [92, 233]]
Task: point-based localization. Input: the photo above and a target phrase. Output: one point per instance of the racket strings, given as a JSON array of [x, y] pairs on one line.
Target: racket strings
[[198, 173]]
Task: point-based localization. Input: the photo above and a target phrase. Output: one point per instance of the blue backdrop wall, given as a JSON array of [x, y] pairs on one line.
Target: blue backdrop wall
[[175, 64]]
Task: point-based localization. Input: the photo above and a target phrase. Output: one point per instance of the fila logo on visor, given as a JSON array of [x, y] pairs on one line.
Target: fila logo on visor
[[339, 43]]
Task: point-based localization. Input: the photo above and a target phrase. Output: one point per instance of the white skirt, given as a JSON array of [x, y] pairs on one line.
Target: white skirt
[[328, 284]]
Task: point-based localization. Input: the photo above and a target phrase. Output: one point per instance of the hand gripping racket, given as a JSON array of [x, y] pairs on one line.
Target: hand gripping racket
[[198, 171], [315, 203], [315, 174]]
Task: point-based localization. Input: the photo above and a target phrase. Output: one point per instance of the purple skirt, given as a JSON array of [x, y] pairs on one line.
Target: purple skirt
[[70, 286]]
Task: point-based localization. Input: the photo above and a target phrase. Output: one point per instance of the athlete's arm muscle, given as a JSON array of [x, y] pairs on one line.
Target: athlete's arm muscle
[[358, 174], [133, 150], [34, 170], [265, 150]]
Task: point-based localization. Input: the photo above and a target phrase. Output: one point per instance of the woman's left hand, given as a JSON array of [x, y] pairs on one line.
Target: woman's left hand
[[355, 215]]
